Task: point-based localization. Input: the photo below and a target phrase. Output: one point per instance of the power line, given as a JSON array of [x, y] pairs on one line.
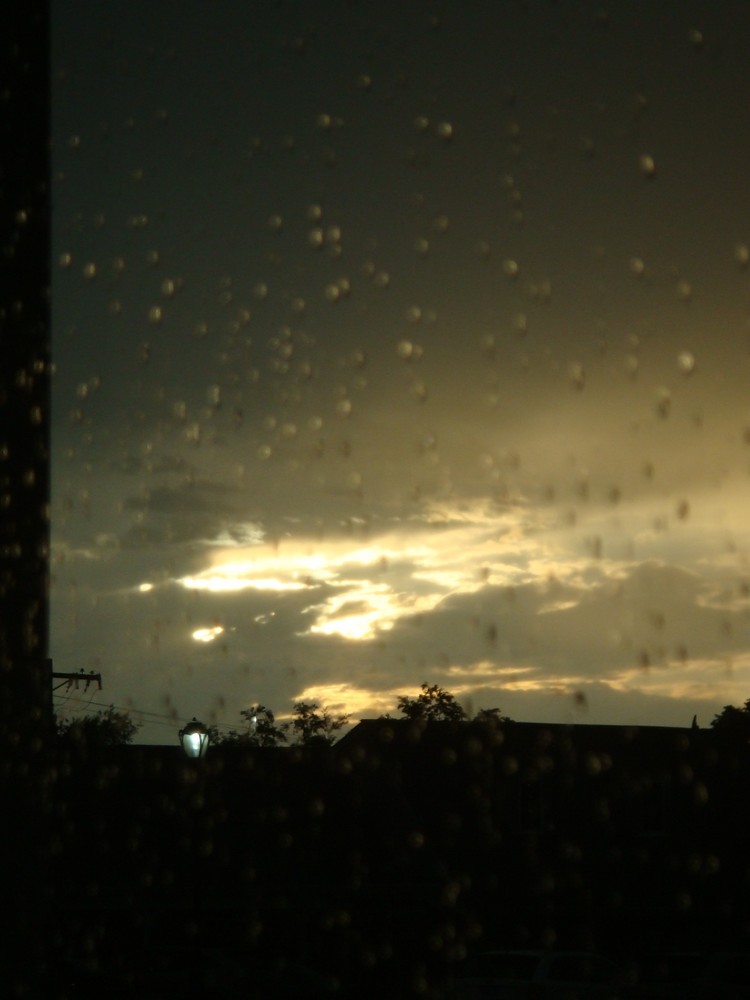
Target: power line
[[153, 718]]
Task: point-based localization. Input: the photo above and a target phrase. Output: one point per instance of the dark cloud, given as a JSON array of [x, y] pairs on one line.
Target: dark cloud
[[465, 291]]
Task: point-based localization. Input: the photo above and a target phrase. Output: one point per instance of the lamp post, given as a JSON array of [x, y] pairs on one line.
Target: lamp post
[[194, 739]]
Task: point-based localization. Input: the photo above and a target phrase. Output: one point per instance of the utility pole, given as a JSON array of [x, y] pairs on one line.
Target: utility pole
[[73, 680]]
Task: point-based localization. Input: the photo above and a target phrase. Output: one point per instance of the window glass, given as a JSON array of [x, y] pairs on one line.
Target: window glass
[[396, 345]]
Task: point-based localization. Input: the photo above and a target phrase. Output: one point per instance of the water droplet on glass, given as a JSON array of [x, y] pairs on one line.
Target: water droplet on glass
[[686, 362], [155, 314], [344, 407], [332, 292], [577, 375], [510, 267], [264, 452], [419, 389], [66, 259], [275, 223], [445, 131], [168, 288], [646, 165], [637, 266], [421, 123], [89, 271], [413, 314], [663, 403], [261, 290], [381, 279], [742, 254], [422, 246], [315, 238], [684, 290]]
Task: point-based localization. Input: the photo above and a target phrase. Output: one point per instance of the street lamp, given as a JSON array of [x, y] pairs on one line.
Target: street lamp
[[194, 739]]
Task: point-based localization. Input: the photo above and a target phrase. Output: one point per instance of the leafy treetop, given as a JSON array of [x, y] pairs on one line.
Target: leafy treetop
[[434, 704], [105, 729], [312, 724], [733, 722]]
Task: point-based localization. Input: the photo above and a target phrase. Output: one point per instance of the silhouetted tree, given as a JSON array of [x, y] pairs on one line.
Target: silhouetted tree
[[262, 730], [434, 704], [312, 724], [105, 729], [733, 722], [491, 716]]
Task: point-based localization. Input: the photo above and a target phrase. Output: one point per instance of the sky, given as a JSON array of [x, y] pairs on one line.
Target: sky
[[397, 344]]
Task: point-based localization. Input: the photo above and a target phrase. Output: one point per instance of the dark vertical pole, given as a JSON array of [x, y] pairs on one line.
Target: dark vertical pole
[[25, 717]]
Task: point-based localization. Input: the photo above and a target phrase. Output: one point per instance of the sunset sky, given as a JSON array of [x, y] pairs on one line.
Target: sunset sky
[[401, 343]]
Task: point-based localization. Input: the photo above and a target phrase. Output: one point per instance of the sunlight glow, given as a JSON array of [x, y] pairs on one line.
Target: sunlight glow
[[207, 634]]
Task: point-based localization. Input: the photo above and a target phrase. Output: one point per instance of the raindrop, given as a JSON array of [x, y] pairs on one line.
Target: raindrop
[[315, 238], [577, 375], [168, 288], [445, 131], [510, 267], [686, 362], [419, 389], [155, 314], [405, 349], [646, 165], [637, 266], [89, 271], [66, 259], [663, 403]]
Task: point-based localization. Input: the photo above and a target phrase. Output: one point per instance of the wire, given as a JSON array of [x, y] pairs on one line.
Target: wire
[[153, 718]]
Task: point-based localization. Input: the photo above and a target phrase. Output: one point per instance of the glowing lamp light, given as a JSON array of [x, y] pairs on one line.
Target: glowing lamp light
[[194, 739]]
